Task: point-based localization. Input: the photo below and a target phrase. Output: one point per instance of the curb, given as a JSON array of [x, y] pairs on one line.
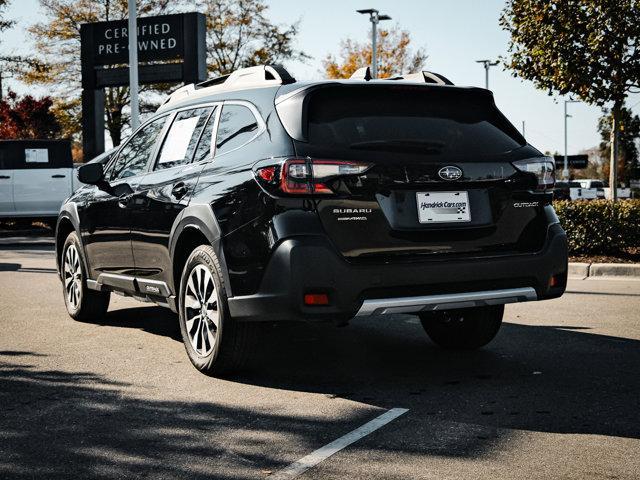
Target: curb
[[604, 270], [23, 241]]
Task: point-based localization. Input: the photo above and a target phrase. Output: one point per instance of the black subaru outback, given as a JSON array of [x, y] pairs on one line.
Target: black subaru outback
[[256, 198]]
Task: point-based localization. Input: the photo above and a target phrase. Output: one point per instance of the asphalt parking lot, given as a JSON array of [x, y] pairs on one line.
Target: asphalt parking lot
[[556, 395]]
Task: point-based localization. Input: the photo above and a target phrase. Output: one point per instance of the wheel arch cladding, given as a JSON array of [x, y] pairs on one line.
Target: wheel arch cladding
[[65, 225], [196, 225]]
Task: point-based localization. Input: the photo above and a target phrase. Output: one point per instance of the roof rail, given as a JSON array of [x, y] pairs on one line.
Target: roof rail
[[424, 76], [250, 77]]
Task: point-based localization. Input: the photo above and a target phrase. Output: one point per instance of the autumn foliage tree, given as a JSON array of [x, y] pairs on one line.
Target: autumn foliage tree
[[394, 53], [27, 117], [586, 48], [4, 23], [239, 34], [57, 61]]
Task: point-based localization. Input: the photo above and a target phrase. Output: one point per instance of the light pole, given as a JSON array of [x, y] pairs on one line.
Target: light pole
[[565, 169], [374, 18], [487, 65], [133, 65]]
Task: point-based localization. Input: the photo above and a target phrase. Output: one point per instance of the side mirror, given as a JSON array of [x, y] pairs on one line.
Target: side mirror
[[91, 173]]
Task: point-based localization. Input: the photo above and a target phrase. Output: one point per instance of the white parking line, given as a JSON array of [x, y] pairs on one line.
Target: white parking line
[[314, 458]]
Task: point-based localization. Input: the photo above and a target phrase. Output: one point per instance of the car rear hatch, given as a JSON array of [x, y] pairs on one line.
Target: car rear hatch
[[429, 171]]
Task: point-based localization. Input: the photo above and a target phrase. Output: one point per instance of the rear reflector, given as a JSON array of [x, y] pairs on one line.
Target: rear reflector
[[316, 299], [267, 173]]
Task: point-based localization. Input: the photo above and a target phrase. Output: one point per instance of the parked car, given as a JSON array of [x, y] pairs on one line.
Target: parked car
[[36, 176], [621, 192], [597, 186], [256, 198]]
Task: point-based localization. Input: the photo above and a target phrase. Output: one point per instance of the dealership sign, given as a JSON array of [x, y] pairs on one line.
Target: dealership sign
[[159, 38], [573, 161], [171, 49]]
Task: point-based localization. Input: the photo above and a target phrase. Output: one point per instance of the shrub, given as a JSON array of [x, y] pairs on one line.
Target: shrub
[[600, 227]]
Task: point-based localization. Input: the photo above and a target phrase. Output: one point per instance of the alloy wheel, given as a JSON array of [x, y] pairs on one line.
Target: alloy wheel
[[201, 310], [72, 277]]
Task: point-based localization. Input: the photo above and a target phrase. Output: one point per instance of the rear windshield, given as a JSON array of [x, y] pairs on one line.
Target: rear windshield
[[435, 121]]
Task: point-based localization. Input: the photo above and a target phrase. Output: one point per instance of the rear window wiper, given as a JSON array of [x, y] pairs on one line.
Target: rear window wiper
[[422, 146]]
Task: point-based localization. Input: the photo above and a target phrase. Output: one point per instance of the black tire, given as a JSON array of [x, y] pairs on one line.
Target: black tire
[[465, 328], [85, 305], [232, 341]]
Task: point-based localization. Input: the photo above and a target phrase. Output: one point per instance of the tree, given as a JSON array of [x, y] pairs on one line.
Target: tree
[[239, 34], [57, 63], [394, 53], [4, 25], [27, 117], [628, 134], [586, 48]]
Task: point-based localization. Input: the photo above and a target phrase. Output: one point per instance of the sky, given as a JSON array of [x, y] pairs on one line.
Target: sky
[[454, 34]]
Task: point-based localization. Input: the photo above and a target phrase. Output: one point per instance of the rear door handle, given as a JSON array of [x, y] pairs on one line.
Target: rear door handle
[[5, 177], [58, 176], [179, 190], [123, 200]]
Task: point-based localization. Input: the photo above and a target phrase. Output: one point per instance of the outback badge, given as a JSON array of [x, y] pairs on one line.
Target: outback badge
[[450, 173]]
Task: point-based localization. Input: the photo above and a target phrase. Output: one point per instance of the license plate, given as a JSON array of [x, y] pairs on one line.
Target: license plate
[[440, 207]]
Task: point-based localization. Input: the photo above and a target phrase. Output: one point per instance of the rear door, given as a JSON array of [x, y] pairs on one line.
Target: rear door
[[441, 179], [42, 179], [165, 191], [6, 179]]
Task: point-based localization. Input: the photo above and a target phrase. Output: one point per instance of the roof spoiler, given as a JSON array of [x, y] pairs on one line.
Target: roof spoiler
[[423, 76]]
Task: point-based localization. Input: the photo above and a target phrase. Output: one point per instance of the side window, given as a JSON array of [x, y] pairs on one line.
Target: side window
[[36, 156], [237, 126], [136, 153], [180, 142], [6, 161], [204, 147]]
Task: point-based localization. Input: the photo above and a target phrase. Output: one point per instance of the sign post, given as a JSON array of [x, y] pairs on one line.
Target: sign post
[[133, 66], [171, 49]]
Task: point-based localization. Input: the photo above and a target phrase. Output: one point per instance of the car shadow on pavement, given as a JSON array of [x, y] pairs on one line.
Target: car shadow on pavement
[[559, 379], [548, 379], [62, 424], [154, 320]]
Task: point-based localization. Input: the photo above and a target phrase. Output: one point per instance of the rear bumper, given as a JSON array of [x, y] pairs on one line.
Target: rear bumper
[[310, 264]]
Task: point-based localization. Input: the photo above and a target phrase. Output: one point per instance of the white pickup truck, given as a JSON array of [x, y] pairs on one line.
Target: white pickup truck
[[36, 176]]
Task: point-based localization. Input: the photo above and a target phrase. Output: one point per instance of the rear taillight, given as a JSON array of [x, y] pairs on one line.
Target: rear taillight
[[544, 168], [304, 176]]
